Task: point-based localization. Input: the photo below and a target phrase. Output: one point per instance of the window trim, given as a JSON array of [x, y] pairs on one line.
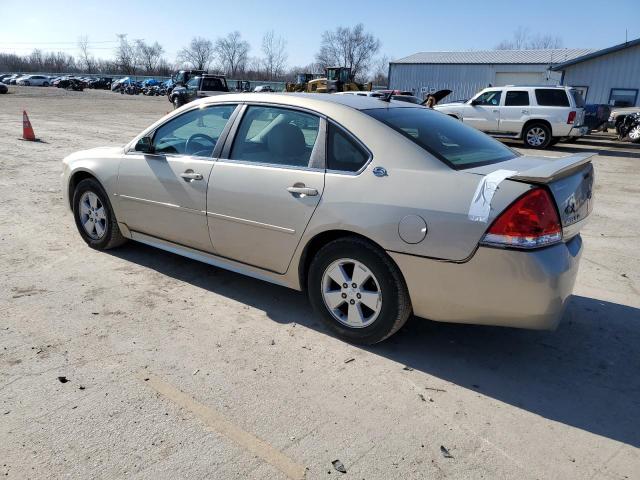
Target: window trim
[[356, 140], [635, 98], [233, 132]]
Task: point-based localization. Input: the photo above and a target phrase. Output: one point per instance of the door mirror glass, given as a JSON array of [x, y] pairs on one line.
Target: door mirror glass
[[144, 145]]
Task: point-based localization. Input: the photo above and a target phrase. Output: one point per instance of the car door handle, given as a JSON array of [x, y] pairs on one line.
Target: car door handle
[[190, 176], [525, 111], [302, 190], [496, 111]]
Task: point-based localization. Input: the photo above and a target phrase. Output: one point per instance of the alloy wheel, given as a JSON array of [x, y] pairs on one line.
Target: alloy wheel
[[92, 215], [634, 134], [536, 136], [351, 293]]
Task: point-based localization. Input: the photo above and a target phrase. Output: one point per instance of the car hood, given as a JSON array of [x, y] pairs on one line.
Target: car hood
[[97, 152]]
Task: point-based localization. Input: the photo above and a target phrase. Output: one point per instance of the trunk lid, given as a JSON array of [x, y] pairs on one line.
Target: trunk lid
[[570, 180]]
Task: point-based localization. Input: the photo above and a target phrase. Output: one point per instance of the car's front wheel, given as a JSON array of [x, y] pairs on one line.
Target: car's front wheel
[[537, 135], [45, 84], [358, 291], [177, 102], [94, 216]]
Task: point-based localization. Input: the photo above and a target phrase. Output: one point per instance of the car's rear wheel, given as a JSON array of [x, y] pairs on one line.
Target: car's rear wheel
[[94, 216], [537, 135], [45, 84], [358, 291], [634, 134], [177, 102]]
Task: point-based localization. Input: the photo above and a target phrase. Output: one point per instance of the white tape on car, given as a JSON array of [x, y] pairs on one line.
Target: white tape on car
[[481, 201]]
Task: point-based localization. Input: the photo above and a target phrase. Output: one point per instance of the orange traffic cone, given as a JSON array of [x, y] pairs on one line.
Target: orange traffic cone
[[27, 129]]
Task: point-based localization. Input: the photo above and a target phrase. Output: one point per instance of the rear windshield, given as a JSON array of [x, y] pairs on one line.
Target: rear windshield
[[456, 144]]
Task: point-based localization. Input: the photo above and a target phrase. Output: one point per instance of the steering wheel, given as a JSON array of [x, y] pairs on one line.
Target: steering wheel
[[191, 141]]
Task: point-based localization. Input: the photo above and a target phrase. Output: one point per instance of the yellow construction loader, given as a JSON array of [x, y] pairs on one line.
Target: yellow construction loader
[[337, 79]]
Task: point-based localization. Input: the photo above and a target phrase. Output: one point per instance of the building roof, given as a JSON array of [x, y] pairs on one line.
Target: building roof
[[596, 54], [547, 56]]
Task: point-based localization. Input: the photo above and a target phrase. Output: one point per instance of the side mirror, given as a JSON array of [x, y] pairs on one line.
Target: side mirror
[[144, 145], [475, 102]]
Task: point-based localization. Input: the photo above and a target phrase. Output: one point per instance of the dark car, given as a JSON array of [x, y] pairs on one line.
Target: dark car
[[181, 78], [102, 83], [205, 85], [3, 88]]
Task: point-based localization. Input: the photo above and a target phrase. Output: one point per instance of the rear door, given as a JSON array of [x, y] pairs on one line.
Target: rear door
[[515, 112], [483, 112], [265, 188]]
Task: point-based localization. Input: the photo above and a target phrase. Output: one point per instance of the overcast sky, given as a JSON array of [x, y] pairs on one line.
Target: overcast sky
[[404, 27]]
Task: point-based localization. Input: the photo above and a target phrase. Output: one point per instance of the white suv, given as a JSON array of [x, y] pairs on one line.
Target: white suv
[[539, 115]]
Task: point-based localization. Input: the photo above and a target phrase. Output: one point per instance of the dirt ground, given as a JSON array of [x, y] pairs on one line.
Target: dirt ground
[[176, 369]]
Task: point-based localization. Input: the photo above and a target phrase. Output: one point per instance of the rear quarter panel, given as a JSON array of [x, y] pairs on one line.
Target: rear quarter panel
[[417, 184]]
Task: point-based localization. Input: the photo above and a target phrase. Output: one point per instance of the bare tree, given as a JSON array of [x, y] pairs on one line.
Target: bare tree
[[199, 54], [86, 59], [232, 52], [149, 55], [523, 40], [275, 56], [380, 73], [125, 55], [36, 60], [348, 47], [545, 42]]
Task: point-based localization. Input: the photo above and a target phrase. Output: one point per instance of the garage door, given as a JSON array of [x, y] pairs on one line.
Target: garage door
[[519, 78]]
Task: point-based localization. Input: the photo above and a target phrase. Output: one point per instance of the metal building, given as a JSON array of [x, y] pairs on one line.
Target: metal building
[[465, 73], [610, 76]]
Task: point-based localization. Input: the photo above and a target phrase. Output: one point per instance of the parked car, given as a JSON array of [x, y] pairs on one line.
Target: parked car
[[618, 114], [34, 81], [3, 88], [12, 80], [3, 76], [263, 89], [376, 209], [102, 83], [204, 85], [381, 94], [539, 115]]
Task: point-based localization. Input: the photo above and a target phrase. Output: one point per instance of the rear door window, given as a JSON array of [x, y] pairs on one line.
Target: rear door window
[[552, 97], [277, 136], [516, 98]]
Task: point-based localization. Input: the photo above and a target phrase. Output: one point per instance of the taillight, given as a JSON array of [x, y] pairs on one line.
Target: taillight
[[530, 222], [572, 117]]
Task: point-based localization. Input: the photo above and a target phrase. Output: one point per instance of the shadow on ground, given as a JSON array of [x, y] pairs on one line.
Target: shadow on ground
[[585, 374]]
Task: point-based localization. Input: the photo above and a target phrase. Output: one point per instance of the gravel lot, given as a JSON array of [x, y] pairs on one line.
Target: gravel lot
[[176, 369]]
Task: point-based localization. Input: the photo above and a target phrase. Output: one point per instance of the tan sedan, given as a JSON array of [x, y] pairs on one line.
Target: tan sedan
[[378, 209]]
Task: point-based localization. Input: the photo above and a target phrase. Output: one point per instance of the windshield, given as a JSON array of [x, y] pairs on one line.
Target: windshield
[[453, 142]]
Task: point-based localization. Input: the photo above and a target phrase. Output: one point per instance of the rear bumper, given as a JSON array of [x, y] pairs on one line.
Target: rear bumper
[[579, 131], [507, 288]]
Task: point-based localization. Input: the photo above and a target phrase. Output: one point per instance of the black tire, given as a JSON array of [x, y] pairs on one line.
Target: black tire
[[177, 102], [530, 129], [112, 236], [396, 304]]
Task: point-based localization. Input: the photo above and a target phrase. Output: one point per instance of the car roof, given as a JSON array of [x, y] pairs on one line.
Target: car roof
[[315, 101]]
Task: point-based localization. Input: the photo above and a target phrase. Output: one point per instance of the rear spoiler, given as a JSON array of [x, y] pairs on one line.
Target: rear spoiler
[[556, 168]]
